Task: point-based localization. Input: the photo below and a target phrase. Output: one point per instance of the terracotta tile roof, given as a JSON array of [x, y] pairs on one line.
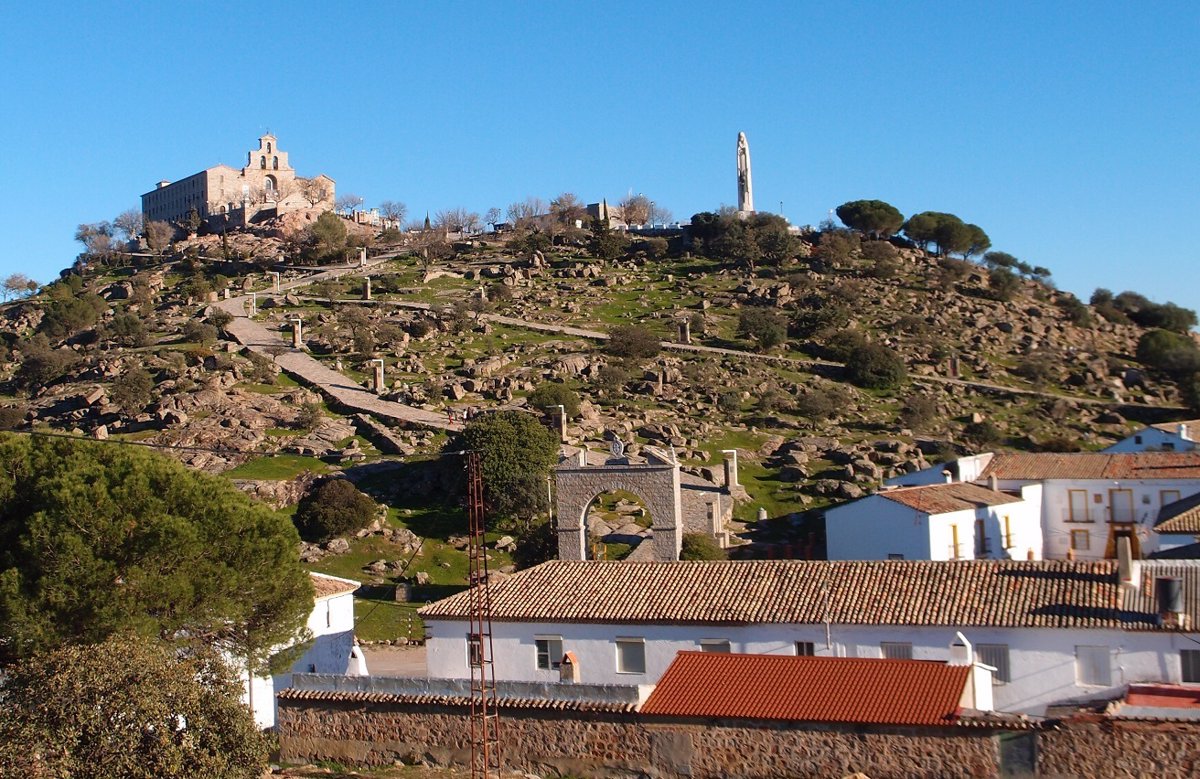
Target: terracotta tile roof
[[325, 586], [999, 593], [944, 498], [1094, 465], [1182, 516], [294, 694], [1193, 426], [809, 689]]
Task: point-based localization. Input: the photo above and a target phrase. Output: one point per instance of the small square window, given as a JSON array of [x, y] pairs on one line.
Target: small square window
[[895, 556], [549, 652], [718, 645], [896, 650], [1080, 540], [995, 655], [1137, 439], [631, 656], [1189, 662], [474, 650], [805, 649]]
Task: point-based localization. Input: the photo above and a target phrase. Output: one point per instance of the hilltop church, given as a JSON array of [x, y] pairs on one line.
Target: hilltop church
[[267, 186]]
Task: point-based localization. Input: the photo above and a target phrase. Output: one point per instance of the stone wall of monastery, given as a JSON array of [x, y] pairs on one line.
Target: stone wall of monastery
[[607, 744]]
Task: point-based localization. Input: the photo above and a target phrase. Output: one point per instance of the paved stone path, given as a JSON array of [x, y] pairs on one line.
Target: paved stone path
[[299, 363]]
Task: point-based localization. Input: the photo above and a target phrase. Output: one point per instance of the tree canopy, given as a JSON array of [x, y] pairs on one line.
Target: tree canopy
[[949, 233], [126, 708], [333, 508], [102, 539], [874, 217], [516, 453]]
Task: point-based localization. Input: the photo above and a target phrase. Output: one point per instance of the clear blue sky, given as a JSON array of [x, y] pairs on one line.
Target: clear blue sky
[[1068, 131]]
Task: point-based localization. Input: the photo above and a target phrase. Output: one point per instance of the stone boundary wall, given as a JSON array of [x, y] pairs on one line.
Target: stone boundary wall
[[618, 744], [1122, 748]]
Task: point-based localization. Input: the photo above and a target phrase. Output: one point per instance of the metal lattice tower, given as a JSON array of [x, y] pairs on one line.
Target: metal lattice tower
[[485, 719]]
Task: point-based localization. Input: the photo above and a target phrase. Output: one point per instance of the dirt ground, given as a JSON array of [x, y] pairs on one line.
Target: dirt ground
[[396, 661]]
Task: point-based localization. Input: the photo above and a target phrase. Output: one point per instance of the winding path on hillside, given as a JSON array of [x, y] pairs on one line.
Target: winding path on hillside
[[581, 332], [257, 338]]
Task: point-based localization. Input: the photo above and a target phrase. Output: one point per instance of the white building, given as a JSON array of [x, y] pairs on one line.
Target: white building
[[1083, 501], [955, 521], [1054, 630], [331, 630], [1166, 437]]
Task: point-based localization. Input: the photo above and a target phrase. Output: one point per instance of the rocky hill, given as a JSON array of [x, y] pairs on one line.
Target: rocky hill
[[139, 349]]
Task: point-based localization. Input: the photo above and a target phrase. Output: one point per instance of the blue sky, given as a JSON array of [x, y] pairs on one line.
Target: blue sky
[[1069, 131]]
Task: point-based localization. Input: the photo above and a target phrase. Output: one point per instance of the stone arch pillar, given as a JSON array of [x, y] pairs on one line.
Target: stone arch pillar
[[656, 482]]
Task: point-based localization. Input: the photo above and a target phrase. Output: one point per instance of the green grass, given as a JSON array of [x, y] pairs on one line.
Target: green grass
[[382, 620], [277, 467]]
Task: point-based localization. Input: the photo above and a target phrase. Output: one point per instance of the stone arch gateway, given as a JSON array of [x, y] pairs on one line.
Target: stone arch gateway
[[656, 482]]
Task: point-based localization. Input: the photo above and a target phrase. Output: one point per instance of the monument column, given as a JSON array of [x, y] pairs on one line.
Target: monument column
[[745, 184]]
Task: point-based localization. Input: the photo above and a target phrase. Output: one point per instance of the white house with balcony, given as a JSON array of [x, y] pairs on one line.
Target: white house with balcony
[[1084, 501], [948, 521], [1055, 631], [331, 649]]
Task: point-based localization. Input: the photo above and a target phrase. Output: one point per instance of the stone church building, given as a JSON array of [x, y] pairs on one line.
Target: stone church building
[[267, 186]]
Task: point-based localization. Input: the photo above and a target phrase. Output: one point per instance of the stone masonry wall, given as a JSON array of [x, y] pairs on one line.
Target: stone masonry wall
[[626, 745], [1164, 750]]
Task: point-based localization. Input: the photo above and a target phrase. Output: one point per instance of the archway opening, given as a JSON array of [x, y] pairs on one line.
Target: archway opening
[[617, 522]]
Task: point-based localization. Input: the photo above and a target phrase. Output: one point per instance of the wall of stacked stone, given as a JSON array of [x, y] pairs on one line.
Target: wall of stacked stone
[[609, 744], [1115, 748]]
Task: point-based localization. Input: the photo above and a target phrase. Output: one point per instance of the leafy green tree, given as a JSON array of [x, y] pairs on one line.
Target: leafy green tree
[[764, 327], [333, 508], [701, 546], [606, 243], [516, 453], [326, 239], [41, 364], [66, 316], [874, 366], [132, 389], [549, 395], [976, 241], [128, 330], [873, 217], [1169, 352], [97, 540], [1003, 283], [632, 342], [127, 708]]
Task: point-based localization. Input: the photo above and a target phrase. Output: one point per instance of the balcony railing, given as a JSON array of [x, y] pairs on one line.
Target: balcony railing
[[1097, 515]]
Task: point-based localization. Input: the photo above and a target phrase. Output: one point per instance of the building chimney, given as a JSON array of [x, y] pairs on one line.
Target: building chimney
[[1183, 431], [1126, 565], [1168, 599], [948, 476], [568, 669], [993, 483], [961, 652]]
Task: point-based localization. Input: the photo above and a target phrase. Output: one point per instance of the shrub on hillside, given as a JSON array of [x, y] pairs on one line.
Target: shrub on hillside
[[550, 394], [632, 342], [875, 366], [919, 412], [1003, 284], [701, 546], [333, 508], [766, 328], [132, 390], [1168, 352]]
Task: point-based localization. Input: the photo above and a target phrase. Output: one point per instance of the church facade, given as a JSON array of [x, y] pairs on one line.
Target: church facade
[[266, 186]]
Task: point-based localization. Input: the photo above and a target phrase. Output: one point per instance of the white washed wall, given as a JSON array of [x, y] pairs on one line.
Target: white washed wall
[[1042, 661]]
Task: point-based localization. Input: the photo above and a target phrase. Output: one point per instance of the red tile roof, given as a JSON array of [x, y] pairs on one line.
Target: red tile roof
[[325, 586], [1094, 465], [1182, 516], [997, 593], [1173, 696], [809, 689], [944, 498]]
